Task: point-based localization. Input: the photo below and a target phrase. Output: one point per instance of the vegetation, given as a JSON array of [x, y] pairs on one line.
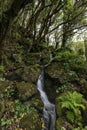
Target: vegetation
[[73, 103], [37, 33]]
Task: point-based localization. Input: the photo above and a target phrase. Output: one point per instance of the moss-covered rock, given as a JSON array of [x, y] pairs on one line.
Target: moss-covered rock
[[55, 70], [50, 87], [37, 102], [26, 90], [62, 124], [25, 73], [4, 84], [37, 57], [31, 73], [2, 107], [31, 121], [59, 111], [32, 58]]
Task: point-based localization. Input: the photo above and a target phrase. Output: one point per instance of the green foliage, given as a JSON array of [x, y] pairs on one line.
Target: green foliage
[[65, 55], [2, 79], [78, 64], [68, 6], [20, 110], [73, 103], [61, 89], [1, 68], [9, 92], [5, 122], [71, 60], [16, 111]]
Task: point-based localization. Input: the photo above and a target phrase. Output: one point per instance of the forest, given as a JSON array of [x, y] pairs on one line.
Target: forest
[[43, 64]]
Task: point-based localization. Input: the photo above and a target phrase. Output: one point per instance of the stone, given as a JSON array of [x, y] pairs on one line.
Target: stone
[[26, 90], [31, 121]]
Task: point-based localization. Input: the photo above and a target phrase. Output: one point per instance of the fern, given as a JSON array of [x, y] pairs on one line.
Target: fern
[[73, 102], [70, 116]]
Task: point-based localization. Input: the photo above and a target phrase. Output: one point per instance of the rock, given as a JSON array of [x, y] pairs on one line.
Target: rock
[[31, 73], [32, 58], [58, 109], [55, 70], [31, 121], [50, 87], [62, 124], [2, 107], [4, 85], [26, 90]]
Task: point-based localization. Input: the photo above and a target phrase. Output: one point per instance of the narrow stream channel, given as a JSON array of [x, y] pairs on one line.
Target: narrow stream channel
[[49, 113]]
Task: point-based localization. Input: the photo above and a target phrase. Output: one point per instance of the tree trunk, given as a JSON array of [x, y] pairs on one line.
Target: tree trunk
[[85, 43], [64, 38], [7, 19]]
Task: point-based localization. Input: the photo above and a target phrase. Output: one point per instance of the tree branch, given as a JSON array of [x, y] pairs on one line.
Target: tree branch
[[9, 15]]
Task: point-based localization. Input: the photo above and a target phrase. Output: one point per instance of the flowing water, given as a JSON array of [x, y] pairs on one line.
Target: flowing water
[[49, 113]]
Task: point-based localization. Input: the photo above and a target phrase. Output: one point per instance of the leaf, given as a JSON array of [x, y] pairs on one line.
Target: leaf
[[66, 104], [70, 116]]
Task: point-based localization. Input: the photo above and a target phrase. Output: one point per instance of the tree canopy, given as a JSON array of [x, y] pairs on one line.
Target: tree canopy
[[43, 20]]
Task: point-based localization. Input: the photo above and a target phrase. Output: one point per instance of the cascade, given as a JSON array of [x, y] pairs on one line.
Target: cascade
[[49, 114]]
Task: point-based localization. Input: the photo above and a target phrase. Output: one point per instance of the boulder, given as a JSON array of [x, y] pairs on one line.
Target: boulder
[[26, 90], [31, 121]]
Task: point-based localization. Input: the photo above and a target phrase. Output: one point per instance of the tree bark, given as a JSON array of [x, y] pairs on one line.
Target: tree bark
[[85, 44]]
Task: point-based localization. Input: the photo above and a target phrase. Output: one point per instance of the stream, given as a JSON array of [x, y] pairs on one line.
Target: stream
[[49, 114]]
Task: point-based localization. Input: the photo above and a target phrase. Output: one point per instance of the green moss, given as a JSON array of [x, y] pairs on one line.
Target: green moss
[[31, 121], [31, 73], [37, 102], [32, 58], [55, 70], [26, 90], [4, 85], [2, 107], [60, 123]]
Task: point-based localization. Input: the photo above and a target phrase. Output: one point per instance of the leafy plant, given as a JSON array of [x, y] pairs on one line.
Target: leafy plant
[[65, 55], [61, 89], [15, 111], [73, 103], [20, 110], [9, 91], [1, 68], [71, 61]]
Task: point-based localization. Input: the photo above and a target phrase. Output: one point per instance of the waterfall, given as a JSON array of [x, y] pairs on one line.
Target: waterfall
[[49, 113]]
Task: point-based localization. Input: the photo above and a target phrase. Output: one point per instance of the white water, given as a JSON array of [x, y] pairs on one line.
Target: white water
[[49, 113]]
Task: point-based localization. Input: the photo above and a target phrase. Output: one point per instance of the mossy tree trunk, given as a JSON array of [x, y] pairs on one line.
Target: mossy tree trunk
[[7, 18], [85, 43]]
